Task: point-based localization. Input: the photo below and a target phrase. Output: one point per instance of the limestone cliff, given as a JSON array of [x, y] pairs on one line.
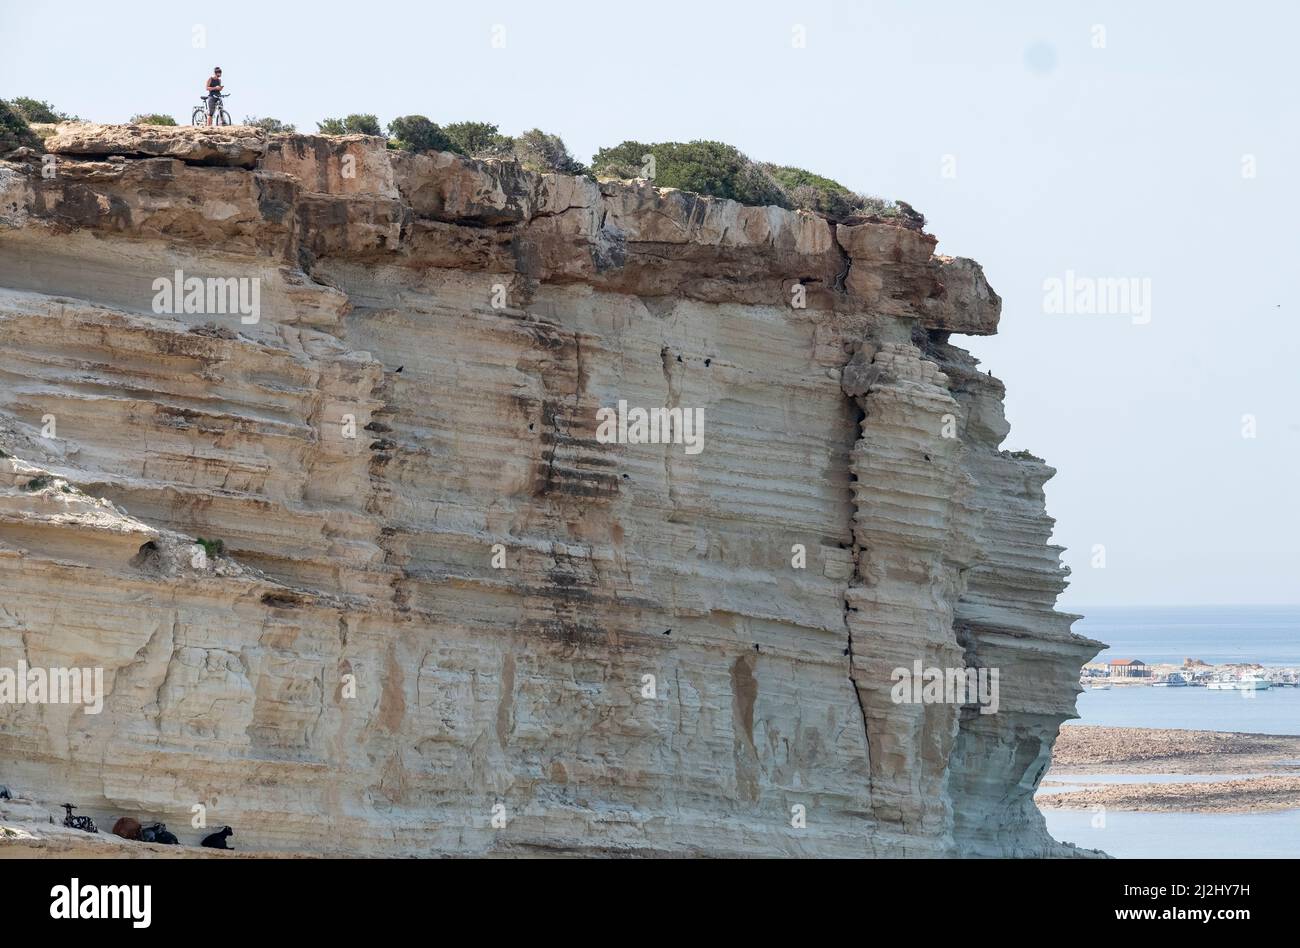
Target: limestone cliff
[[438, 594]]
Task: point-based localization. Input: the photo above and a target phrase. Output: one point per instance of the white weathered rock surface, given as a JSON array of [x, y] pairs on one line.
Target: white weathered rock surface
[[369, 559], [236, 145]]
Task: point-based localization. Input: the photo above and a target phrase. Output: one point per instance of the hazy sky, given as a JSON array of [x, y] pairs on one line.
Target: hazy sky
[[1114, 140]]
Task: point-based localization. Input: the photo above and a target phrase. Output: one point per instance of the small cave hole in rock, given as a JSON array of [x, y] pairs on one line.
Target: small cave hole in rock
[[281, 600], [148, 555]]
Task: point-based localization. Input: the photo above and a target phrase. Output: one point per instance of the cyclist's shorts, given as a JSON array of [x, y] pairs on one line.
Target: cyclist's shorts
[[213, 102]]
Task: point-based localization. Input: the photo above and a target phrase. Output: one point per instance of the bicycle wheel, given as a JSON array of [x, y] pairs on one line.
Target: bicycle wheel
[[223, 117], [197, 117]]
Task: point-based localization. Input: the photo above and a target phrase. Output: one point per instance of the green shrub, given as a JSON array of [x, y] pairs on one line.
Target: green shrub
[[363, 125], [828, 197], [538, 151], [271, 126], [417, 133], [624, 161], [721, 170], [39, 482], [479, 140], [812, 192], [213, 548], [534, 149], [152, 118], [14, 131], [351, 125], [704, 167], [34, 110]]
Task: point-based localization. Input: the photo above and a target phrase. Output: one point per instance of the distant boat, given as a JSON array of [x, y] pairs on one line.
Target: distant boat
[[1099, 688], [1249, 683], [1173, 681]]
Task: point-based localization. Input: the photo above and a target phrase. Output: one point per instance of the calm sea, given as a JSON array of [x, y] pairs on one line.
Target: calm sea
[[1128, 835], [1276, 711], [1269, 635]]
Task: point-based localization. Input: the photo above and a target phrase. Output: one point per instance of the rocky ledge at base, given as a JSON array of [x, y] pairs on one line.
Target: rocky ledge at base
[[361, 577]]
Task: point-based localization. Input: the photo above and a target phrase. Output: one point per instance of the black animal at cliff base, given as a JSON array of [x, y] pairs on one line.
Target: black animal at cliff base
[[83, 823], [218, 840], [158, 833]]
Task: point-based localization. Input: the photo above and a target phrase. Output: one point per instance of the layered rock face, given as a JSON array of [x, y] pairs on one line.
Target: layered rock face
[[447, 614]]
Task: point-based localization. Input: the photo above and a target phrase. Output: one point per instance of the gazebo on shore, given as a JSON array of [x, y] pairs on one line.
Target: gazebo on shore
[[1127, 668]]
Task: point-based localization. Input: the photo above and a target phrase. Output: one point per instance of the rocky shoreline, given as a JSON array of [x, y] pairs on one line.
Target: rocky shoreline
[[1261, 771]]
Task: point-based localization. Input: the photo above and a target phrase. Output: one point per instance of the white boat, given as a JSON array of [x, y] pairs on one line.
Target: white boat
[[1249, 683], [1099, 688]]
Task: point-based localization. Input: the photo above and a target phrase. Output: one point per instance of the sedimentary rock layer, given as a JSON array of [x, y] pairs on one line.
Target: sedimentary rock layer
[[445, 616]]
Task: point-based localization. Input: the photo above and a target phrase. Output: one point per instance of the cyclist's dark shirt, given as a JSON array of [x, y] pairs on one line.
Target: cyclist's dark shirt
[[213, 83]]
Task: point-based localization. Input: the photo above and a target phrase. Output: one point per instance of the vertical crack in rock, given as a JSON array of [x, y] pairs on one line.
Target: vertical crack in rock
[[845, 263], [859, 417], [907, 581]]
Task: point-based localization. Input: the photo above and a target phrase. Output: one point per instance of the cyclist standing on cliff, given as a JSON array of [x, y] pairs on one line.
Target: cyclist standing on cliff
[[214, 88]]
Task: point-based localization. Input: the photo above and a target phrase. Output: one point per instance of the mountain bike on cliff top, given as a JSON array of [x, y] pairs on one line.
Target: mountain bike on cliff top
[[219, 114]]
